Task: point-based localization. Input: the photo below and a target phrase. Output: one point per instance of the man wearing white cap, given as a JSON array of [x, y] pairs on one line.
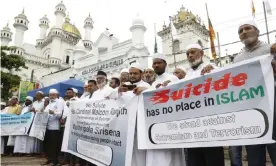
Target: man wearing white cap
[[209, 156], [14, 107], [126, 93], [163, 78], [38, 106], [163, 157], [149, 76], [24, 144], [179, 72], [52, 137], [248, 32], [124, 75], [197, 67], [75, 92]]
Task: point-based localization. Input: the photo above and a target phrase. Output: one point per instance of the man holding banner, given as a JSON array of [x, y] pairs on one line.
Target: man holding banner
[[209, 156], [249, 35]]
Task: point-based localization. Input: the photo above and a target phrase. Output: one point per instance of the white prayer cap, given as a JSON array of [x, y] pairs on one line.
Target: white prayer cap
[[53, 91], [125, 70], [159, 56], [190, 46], [149, 68], [249, 22], [46, 97], [85, 83], [74, 90], [181, 68], [30, 98], [40, 92], [137, 66], [3, 103]]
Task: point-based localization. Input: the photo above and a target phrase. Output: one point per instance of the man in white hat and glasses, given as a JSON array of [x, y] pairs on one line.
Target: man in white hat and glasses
[[209, 156], [249, 35], [104, 90]]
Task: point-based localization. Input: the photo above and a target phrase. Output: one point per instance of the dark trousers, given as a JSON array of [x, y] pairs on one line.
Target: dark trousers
[[7, 149], [52, 145], [211, 156]]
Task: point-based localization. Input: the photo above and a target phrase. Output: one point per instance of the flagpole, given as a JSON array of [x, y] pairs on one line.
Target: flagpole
[[266, 23], [219, 49]]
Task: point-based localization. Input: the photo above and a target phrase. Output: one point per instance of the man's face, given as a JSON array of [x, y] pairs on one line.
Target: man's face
[[101, 81], [159, 66], [149, 75], [194, 56], [248, 34], [180, 74], [85, 88], [13, 101], [124, 76], [92, 87], [46, 102], [28, 102], [112, 84], [135, 75], [69, 94], [52, 96], [38, 96]]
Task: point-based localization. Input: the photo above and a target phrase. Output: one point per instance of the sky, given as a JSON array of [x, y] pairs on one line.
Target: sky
[[117, 15]]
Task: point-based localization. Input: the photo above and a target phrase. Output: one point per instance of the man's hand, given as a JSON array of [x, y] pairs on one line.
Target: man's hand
[[166, 83], [122, 89], [33, 109], [273, 49], [51, 112], [138, 90], [158, 85], [207, 69]]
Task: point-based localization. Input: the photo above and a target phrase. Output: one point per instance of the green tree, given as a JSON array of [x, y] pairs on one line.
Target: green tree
[[10, 62]]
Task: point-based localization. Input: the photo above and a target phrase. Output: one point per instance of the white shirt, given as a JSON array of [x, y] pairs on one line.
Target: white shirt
[[193, 73], [164, 77], [102, 93], [53, 121], [38, 105]]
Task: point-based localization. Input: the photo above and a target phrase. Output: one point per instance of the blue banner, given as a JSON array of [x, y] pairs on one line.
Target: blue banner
[[12, 124]]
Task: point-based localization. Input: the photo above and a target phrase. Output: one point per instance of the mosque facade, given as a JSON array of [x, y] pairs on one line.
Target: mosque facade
[[62, 52]]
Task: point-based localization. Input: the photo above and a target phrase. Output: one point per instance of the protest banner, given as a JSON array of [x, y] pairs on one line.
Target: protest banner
[[12, 124], [39, 125], [101, 132], [231, 106]]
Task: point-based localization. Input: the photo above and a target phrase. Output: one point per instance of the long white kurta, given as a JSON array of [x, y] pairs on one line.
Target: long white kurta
[[24, 143], [165, 157], [138, 156]]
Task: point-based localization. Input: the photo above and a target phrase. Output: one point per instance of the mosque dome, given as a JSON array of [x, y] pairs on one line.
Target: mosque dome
[[137, 20], [72, 29]]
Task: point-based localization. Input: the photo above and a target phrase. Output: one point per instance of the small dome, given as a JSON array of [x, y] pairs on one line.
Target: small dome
[[137, 20], [88, 18], [7, 28], [72, 29], [61, 4], [79, 45], [22, 15], [45, 18]]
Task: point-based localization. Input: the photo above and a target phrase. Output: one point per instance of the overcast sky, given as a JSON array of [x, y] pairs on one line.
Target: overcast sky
[[117, 16]]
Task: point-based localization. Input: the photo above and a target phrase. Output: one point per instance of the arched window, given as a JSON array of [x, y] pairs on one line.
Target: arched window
[[67, 59], [48, 56], [176, 46], [73, 62], [21, 21]]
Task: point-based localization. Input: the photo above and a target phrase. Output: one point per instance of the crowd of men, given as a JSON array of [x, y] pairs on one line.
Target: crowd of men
[[134, 81]]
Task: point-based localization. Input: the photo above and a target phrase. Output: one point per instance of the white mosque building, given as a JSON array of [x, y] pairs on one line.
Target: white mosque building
[[62, 51]]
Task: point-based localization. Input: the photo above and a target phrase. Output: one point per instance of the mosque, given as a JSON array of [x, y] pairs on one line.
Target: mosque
[[62, 52]]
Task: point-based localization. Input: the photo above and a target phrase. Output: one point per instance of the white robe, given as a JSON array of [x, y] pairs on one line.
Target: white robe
[[165, 157], [102, 93], [191, 73], [39, 107], [24, 143]]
